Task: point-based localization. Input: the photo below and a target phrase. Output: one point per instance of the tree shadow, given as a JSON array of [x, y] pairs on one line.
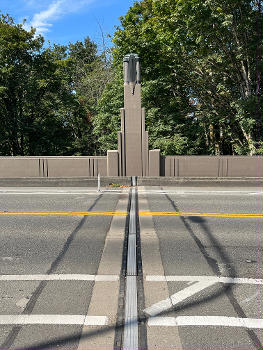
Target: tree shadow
[[226, 288], [223, 288]]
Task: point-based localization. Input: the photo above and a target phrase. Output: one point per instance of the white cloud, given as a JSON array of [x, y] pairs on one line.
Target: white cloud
[[44, 19]]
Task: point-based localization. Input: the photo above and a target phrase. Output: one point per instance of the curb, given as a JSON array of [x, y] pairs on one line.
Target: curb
[[141, 181]]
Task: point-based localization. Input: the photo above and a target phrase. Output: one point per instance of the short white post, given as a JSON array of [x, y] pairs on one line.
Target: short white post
[[99, 182]]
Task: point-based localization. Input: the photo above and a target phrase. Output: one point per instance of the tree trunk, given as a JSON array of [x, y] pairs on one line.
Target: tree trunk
[[250, 141]]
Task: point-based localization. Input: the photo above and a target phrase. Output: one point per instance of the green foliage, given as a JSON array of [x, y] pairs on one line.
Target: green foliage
[[48, 97], [202, 71], [107, 122], [172, 145], [201, 82]]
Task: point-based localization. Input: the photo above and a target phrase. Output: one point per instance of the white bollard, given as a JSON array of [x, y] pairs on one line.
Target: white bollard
[[133, 181], [99, 182]]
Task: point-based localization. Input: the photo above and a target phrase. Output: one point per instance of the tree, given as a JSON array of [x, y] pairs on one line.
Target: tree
[[34, 94], [44, 105], [16, 65], [91, 72], [224, 51], [202, 82], [202, 71], [107, 121]]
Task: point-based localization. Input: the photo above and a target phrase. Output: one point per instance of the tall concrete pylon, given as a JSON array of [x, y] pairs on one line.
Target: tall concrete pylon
[[132, 139], [133, 157]]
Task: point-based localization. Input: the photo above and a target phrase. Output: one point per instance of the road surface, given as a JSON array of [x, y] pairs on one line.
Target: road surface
[[64, 272]]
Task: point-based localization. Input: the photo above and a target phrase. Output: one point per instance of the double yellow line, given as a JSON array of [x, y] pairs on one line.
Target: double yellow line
[[141, 213]]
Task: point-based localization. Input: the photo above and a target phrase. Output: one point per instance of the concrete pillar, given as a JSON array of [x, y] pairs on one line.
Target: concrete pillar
[[147, 153], [133, 138], [154, 162], [112, 163], [120, 153], [143, 145], [133, 132], [122, 144]]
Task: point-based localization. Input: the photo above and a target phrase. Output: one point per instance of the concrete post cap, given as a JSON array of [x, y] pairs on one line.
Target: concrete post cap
[[130, 56]]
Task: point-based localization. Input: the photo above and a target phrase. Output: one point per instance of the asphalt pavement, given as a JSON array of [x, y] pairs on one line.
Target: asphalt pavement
[[208, 246], [36, 244], [63, 254]]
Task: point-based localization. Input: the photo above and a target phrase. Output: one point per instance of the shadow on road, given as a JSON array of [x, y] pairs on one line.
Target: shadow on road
[[222, 289], [225, 260]]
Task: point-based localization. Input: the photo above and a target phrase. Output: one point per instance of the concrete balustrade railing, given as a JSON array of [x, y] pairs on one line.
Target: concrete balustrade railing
[[14, 167], [211, 166], [168, 166]]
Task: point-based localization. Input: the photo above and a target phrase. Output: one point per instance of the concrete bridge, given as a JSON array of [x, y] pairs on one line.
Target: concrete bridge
[[133, 157]]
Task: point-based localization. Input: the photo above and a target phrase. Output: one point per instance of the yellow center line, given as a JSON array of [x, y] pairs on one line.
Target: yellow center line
[[235, 215], [142, 213], [63, 213]]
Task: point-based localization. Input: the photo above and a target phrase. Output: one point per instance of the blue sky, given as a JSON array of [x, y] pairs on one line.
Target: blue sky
[[63, 21]]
